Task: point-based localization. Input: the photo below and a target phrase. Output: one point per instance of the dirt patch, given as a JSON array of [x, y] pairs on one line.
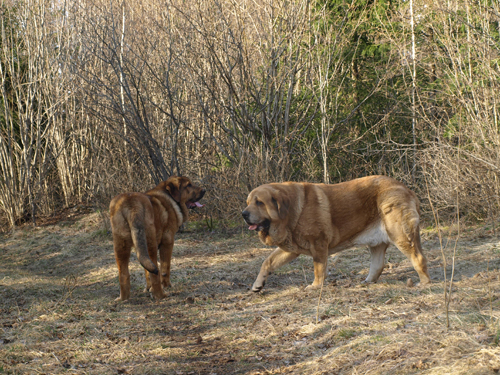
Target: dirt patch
[[57, 311]]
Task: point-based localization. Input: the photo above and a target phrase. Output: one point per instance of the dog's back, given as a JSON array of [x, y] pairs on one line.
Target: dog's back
[[132, 222]]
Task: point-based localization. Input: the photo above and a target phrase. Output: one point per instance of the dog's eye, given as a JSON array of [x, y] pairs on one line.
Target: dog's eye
[[259, 203], [189, 185]]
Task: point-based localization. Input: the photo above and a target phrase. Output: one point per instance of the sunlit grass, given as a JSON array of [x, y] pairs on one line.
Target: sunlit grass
[[58, 315]]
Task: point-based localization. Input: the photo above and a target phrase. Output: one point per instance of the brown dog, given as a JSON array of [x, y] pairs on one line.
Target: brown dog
[[320, 220], [148, 221]]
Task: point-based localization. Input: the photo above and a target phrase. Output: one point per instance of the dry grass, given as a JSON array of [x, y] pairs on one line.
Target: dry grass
[[57, 311]]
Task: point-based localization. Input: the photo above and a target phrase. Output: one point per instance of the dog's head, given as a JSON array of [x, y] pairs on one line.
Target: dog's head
[[266, 212], [182, 190]]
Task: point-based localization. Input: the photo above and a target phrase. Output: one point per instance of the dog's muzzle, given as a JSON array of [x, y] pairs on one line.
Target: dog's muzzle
[[246, 216], [252, 226], [195, 202]]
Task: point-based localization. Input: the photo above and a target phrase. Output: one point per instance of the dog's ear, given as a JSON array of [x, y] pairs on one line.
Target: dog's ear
[[172, 186], [282, 203]]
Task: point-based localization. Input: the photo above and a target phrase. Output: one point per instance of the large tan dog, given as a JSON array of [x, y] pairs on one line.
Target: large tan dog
[[148, 221], [320, 220]]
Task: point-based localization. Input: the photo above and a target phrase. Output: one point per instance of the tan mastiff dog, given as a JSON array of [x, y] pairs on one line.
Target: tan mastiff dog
[[319, 220], [148, 221]]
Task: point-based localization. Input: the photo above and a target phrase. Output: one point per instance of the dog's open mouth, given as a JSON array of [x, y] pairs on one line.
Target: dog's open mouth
[[192, 205], [261, 226]]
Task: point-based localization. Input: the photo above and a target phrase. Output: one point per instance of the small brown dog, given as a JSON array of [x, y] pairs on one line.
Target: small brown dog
[[319, 220], [148, 221]]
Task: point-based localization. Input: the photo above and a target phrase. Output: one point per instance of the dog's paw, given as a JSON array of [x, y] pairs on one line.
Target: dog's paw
[[423, 284], [313, 287], [159, 295], [257, 288]]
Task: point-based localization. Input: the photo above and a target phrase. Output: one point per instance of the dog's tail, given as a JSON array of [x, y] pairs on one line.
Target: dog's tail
[[138, 231]]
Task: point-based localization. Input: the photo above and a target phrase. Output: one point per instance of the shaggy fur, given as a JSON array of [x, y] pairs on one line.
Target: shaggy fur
[[148, 221], [319, 220]]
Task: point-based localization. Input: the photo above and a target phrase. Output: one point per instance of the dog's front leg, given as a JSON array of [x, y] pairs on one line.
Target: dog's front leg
[[320, 264], [166, 248], [274, 261], [148, 281], [153, 282]]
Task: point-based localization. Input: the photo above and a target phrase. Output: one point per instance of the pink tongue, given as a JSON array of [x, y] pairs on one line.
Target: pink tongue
[[198, 204], [252, 227]]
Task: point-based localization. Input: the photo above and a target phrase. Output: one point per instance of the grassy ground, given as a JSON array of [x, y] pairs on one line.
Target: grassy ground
[[58, 283]]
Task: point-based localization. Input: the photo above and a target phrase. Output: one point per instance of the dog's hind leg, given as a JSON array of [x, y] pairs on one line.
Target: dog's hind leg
[[142, 240], [122, 248], [377, 261], [413, 250], [405, 234], [274, 261]]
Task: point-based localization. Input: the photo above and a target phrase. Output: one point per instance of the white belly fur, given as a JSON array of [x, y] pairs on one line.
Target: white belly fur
[[372, 236]]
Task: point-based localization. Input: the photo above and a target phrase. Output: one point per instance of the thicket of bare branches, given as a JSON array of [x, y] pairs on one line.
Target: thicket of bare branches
[[100, 97], [459, 109]]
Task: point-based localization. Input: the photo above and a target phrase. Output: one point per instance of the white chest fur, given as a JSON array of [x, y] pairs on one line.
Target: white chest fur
[[177, 210]]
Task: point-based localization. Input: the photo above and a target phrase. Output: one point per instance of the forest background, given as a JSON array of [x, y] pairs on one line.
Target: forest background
[[101, 97]]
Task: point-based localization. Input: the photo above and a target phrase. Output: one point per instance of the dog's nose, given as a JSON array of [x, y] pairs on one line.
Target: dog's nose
[[202, 193], [245, 214]]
